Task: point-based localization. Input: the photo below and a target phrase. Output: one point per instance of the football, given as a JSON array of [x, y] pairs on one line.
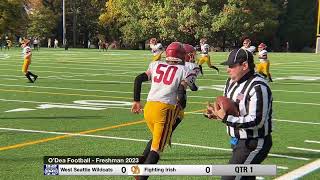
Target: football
[[228, 105]]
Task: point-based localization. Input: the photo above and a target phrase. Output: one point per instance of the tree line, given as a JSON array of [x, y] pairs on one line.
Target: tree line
[[225, 23]]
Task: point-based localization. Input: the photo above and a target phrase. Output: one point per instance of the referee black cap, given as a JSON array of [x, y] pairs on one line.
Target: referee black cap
[[238, 56]]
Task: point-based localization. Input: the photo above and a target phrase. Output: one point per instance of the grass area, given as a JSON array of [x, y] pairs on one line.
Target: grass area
[[81, 89]]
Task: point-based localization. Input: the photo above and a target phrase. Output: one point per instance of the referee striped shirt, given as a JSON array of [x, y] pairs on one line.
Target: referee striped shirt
[[253, 96]]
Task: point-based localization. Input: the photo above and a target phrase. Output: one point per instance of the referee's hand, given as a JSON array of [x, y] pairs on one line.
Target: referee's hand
[[218, 111], [209, 112]]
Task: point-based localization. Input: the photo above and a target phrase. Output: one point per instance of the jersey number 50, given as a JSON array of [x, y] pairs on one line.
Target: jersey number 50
[[165, 74]]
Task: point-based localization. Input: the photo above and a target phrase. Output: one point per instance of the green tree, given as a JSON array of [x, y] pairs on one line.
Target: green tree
[[298, 25], [12, 16], [169, 20], [42, 22], [223, 22], [239, 19], [82, 19]]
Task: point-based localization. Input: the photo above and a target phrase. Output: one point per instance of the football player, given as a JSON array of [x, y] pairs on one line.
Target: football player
[[192, 66], [205, 55], [247, 46], [156, 49], [166, 98], [26, 53], [194, 71], [264, 66]]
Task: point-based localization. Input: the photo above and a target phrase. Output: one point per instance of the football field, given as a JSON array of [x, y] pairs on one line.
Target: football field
[[80, 106]]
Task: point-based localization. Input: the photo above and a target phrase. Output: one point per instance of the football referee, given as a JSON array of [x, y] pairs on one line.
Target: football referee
[[250, 131]]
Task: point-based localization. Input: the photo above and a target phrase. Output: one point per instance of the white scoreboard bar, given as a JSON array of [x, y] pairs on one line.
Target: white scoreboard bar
[[159, 170]]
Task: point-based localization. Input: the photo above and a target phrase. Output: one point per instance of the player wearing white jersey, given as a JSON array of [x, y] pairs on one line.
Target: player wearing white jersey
[[26, 53], [247, 46], [192, 66], [264, 65], [194, 71], [205, 57], [165, 99], [156, 49], [165, 80]]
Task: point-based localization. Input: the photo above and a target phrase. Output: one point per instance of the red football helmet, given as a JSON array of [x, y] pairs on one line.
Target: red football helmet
[[153, 41], [262, 45], [175, 52], [190, 53]]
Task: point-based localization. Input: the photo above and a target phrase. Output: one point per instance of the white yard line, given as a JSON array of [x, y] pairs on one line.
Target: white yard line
[[286, 91], [137, 72], [302, 103], [83, 80], [289, 69], [280, 120], [304, 149], [76, 58], [142, 140], [145, 64], [123, 82], [42, 102], [85, 65], [73, 89], [300, 122], [99, 68], [296, 83], [10, 79], [282, 167], [310, 141], [76, 74], [302, 171], [297, 62], [122, 73]]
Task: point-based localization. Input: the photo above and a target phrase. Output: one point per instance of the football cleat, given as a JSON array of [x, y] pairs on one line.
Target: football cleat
[[35, 78]]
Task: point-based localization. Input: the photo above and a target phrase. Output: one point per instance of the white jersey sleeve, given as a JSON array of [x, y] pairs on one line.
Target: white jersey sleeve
[[156, 49], [165, 80], [250, 49], [26, 51], [193, 72], [263, 55], [205, 49], [193, 67]]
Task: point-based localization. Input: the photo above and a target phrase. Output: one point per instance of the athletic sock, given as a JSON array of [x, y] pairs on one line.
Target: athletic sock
[[31, 73], [215, 68], [201, 71], [270, 79], [178, 120], [153, 158], [145, 152]]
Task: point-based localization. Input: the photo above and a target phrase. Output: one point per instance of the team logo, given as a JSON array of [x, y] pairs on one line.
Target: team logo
[[51, 169], [135, 169], [240, 96]]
